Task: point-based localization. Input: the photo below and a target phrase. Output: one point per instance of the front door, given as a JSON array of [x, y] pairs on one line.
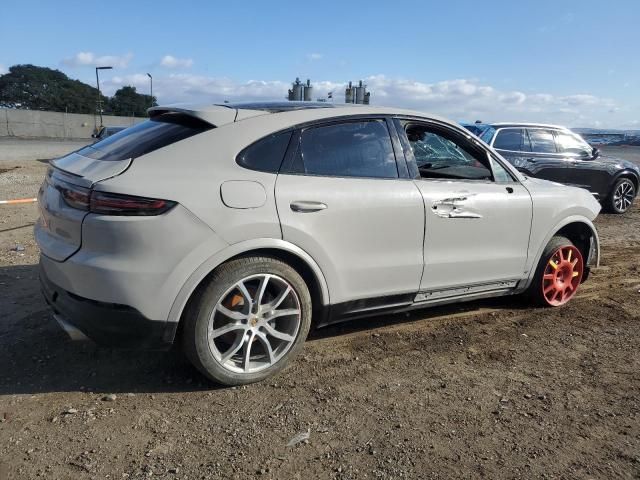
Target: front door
[[584, 170], [477, 216]]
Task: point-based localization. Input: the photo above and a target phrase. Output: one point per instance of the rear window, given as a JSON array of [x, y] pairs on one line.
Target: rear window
[[146, 137], [267, 154], [509, 139]]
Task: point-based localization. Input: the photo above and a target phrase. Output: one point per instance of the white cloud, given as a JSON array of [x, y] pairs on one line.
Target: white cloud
[[3, 69], [170, 61], [86, 59], [458, 99], [315, 56], [516, 98]]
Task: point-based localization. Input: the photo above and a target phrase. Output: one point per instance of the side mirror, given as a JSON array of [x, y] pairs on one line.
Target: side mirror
[[595, 152]]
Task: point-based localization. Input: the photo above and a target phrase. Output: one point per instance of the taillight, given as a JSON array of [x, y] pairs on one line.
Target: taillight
[[73, 195], [117, 204], [106, 203], [76, 197]]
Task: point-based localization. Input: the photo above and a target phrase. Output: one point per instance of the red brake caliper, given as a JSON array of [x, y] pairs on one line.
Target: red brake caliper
[[562, 275]]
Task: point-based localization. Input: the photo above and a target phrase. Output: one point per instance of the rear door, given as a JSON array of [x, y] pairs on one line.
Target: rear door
[[477, 216], [511, 144], [545, 161], [341, 199]]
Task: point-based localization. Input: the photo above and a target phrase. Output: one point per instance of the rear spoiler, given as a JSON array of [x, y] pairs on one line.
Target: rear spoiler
[[215, 115]]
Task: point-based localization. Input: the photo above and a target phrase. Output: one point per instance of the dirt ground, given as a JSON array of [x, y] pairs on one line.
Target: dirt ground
[[489, 389]]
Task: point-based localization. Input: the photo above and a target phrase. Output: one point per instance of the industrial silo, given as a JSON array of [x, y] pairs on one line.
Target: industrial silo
[[298, 90], [348, 94], [360, 93], [308, 91]]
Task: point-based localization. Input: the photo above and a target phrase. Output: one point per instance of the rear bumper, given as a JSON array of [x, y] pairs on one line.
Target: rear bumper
[[108, 324]]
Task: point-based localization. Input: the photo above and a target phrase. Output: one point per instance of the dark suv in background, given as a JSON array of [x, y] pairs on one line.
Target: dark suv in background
[[557, 154]]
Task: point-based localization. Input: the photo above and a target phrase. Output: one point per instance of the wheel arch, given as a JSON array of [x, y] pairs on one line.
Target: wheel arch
[[581, 231], [631, 175], [289, 253]]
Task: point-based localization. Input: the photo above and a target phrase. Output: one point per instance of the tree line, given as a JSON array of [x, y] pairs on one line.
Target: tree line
[[39, 88]]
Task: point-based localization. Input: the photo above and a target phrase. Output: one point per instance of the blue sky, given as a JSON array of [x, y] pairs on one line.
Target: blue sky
[[570, 62]]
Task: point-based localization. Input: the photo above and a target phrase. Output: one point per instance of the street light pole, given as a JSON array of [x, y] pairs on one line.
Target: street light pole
[[151, 87], [99, 102]]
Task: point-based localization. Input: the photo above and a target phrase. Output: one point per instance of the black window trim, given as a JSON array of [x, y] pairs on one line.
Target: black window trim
[[464, 136], [272, 134], [524, 133], [569, 156], [294, 145], [555, 143]]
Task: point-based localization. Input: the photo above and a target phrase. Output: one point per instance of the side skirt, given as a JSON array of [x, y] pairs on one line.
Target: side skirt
[[392, 304]]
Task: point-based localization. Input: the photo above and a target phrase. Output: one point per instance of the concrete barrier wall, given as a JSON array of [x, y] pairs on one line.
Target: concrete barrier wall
[[33, 123]]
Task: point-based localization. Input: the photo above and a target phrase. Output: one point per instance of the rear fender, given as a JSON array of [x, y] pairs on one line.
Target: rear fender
[[234, 250]]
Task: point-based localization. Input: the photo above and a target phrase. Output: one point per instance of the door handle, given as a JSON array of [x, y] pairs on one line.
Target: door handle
[[531, 160], [303, 206]]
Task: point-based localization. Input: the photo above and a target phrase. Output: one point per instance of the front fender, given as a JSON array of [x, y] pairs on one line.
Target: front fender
[[592, 260], [626, 173]]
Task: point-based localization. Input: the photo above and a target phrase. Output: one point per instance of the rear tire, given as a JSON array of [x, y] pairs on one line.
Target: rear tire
[[248, 322], [621, 197], [558, 274]]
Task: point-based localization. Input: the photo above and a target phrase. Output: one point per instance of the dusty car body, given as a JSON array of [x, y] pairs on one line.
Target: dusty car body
[[241, 226]]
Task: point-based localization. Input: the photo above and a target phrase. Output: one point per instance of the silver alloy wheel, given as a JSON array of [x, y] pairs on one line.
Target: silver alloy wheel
[[623, 196], [254, 324]]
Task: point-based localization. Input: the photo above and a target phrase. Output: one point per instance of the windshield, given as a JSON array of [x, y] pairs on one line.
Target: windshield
[[487, 135]]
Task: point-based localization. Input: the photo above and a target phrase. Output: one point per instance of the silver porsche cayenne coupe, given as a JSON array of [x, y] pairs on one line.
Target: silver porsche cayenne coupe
[[235, 228]]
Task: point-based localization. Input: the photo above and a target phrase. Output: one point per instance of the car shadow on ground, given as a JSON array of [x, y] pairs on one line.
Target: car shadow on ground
[[37, 356]]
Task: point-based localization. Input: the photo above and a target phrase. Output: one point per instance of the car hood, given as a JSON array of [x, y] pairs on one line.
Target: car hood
[[618, 163], [563, 196]]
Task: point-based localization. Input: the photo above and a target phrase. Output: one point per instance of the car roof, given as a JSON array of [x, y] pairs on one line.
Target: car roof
[[276, 107], [526, 124], [222, 114]]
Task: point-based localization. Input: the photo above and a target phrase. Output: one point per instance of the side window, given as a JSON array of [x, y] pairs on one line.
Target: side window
[[542, 141], [571, 144], [265, 155], [350, 149], [500, 174], [438, 156], [509, 139]]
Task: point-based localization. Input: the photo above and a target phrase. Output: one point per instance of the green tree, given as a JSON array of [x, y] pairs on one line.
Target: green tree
[[126, 101], [39, 88]]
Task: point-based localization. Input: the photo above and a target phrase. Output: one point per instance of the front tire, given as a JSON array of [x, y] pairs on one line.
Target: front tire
[[622, 195], [558, 274], [249, 321]]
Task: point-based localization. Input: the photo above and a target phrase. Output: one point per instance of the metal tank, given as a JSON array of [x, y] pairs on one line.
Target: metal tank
[[308, 91], [360, 91], [348, 94], [297, 90]]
